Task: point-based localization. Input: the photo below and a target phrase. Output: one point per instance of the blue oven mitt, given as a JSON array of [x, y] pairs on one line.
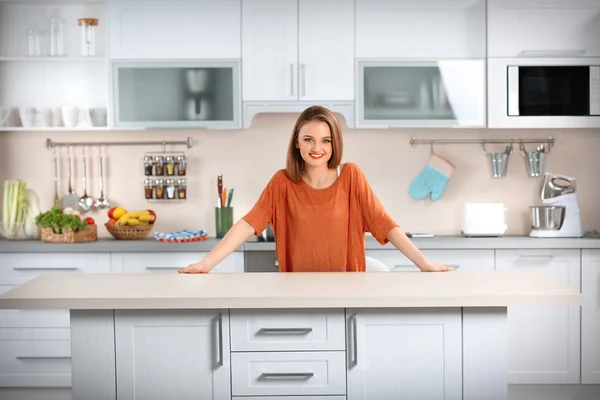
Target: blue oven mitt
[[432, 179]]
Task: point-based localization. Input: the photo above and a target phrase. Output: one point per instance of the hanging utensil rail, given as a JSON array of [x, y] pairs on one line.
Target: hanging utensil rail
[[188, 142], [414, 141]]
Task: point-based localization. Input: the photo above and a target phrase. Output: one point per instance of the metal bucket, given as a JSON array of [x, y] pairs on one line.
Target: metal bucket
[[536, 163], [499, 164]]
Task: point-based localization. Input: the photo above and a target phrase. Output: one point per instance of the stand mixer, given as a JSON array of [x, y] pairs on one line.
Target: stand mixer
[[558, 193]]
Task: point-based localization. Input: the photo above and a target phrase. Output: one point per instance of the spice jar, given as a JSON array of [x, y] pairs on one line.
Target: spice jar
[[170, 188], [158, 165], [181, 189], [170, 165], [88, 36], [181, 164], [159, 189], [147, 165], [148, 188]]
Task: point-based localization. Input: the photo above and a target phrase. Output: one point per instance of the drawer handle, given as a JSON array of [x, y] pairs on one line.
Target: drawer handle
[[412, 266], [162, 268], [285, 331], [43, 357], [536, 257], [44, 269], [277, 375]]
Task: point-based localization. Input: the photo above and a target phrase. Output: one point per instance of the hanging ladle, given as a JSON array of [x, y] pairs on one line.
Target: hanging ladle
[[85, 201]]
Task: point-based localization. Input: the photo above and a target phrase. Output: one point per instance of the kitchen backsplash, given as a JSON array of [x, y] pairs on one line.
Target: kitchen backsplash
[[248, 158]]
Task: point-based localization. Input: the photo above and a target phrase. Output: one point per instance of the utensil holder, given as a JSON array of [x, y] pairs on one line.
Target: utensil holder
[[223, 220], [499, 164], [535, 162]]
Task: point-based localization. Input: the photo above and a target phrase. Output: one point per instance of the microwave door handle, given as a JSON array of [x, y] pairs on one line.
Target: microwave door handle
[[551, 53], [513, 91]]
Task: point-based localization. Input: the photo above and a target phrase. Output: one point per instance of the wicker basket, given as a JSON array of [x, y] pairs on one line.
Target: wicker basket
[[89, 234], [129, 232]]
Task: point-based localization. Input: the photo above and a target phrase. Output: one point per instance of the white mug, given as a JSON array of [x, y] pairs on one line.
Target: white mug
[[98, 116], [70, 116], [57, 119], [43, 117], [83, 119], [27, 115], [5, 116]]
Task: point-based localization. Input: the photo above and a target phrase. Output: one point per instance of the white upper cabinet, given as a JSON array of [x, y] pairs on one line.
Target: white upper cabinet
[[420, 29], [270, 50], [543, 28], [326, 50], [176, 29], [298, 50]]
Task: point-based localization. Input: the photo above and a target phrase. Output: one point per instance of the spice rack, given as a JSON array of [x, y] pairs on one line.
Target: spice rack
[[165, 176]]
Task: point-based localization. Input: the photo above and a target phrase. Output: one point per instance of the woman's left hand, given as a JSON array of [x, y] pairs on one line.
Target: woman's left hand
[[436, 267]]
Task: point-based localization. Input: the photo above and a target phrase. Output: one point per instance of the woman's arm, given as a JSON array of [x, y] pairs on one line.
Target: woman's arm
[[406, 246], [238, 234]]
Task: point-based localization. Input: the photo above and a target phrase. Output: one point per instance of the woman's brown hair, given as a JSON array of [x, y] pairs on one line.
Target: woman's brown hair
[[294, 161]]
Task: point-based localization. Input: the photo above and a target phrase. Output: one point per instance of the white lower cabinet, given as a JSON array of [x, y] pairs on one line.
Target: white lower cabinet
[[131, 263], [404, 354], [544, 341], [172, 354], [458, 260], [590, 317], [35, 358]]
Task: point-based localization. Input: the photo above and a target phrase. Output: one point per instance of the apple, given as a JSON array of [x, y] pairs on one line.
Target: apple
[[151, 212], [112, 221], [110, 212]]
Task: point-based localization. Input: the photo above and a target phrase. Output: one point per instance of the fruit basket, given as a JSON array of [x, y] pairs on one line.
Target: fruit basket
[[89, 234], [124, 232]]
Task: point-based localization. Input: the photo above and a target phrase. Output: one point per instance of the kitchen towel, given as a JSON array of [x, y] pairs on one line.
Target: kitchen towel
[[433, 179]]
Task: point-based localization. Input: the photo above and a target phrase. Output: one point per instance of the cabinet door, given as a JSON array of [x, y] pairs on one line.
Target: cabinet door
[[270, 49], [555, 28], [447, 93], [131, 263], [184, 29], [326, 50], [404, 354], [543, 342], [590, 317], [420, 29], [172, 354], [458, 260]]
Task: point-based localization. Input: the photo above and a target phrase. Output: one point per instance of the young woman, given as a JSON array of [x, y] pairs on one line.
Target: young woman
[[318, 208]]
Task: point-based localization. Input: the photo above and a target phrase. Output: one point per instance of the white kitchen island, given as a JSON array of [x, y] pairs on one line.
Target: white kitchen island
[[325, 336]]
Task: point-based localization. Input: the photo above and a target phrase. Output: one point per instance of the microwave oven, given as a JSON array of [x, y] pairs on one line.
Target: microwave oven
[[544, 92]]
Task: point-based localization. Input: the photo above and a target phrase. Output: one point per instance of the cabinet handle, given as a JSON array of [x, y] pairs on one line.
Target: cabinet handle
[[220, 340], [276, 375], [44, 269], [303, 76], [535, 257], [288, 331], [43, 357], [354, 330], [552, 53], [161, 268], [291, 79], [411, 266]]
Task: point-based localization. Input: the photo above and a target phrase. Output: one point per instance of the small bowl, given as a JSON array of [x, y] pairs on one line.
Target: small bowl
[[12, 231]]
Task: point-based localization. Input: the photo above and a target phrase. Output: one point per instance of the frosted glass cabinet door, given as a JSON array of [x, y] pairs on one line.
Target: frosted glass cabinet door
[[448, 93], [198, 94]]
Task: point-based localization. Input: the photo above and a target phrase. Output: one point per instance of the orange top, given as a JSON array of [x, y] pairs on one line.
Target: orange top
[[321, 229]]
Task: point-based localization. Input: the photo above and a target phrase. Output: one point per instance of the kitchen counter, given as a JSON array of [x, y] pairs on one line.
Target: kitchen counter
[[301, 290], [437, 242]]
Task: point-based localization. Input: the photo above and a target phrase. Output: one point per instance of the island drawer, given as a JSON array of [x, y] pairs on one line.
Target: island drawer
[[32, 265], [35, 358], [290, 374], [287, 330]]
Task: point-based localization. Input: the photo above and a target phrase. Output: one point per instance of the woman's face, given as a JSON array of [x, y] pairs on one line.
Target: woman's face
[[314, 142]]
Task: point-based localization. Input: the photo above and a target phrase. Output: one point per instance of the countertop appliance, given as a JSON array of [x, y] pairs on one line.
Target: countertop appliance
[[483, 219], [556, 192]]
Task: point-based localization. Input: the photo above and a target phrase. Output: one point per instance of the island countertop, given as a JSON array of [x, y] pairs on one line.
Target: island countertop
[[290, 290]]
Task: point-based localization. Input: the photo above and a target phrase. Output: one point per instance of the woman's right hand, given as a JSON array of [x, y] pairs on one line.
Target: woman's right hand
[[197, 268]]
